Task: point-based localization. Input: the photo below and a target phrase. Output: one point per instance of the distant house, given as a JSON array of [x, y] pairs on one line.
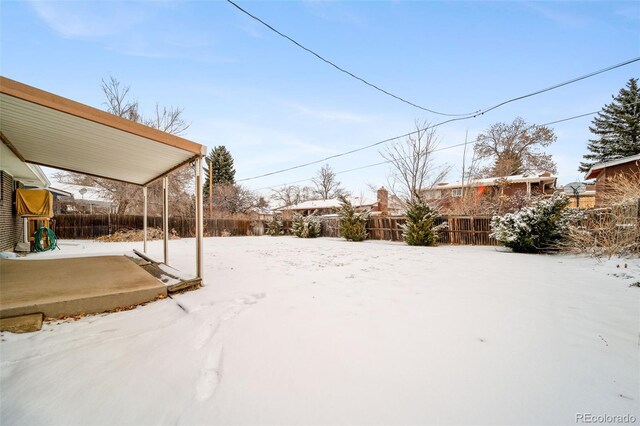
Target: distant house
[[446, 194], [601, 172], [382, 205], [82, 199], [329, 207], [587, 198]]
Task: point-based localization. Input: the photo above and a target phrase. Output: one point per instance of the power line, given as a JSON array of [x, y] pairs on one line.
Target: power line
[[342, 154], [556, 86], [481, 112], [435, 150], [339, 68]]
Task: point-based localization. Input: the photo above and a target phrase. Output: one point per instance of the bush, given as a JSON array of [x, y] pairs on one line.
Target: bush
[[536, 228], [306, 226], [274, 226], [353, 224], [614, 230], [419, 230]]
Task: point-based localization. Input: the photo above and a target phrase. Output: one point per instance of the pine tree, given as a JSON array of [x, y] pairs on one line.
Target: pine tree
[[419, 230], [617, 128], [219, 164], [274, 226], [353, 224], [306, 226]]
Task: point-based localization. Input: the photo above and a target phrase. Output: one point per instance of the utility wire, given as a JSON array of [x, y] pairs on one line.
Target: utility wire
[[435, 150], [481, 112], [342, 154], [556, 86], [339, 68]]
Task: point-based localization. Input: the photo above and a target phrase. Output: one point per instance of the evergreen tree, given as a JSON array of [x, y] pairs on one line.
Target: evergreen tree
[[419, 230], [219, 164], [617, 128], [353, 224], [306, 226], [274, 226]]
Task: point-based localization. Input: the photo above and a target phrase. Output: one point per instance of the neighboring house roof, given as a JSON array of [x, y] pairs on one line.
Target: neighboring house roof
[[329, 204], [90, 195], [28, 174], [595, 170], [530, 177]]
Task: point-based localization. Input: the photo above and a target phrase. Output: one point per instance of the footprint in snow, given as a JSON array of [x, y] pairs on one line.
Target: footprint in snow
[[206, 332], [210, 376]]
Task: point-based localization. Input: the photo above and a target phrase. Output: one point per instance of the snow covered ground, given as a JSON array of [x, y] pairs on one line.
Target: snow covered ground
[[291, 331]]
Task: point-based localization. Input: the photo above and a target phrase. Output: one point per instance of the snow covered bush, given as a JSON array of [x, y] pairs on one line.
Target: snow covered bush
[[353, 224], [419, 230], [536, 228], [306, 226], [274, 226]]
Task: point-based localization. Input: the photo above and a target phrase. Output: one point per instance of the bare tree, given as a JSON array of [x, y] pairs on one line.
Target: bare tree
[[128, 197], [118, 102], [290, 195], [326, 184], [413, 167], [168, 120], [515, 148], [233, 198]]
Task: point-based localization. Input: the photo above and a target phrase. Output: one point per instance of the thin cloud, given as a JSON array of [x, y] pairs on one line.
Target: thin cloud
[[126, 28], [567, 20], [88, 20], [329, 115], [333, 11]]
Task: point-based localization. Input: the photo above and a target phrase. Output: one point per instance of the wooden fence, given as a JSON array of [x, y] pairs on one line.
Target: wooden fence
[[96, 225], [465, 230]]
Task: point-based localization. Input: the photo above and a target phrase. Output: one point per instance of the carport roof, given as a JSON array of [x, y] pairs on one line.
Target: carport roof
[[49, 130]]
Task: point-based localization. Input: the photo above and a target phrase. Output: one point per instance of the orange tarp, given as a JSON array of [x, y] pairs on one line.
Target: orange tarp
[[34, 202]]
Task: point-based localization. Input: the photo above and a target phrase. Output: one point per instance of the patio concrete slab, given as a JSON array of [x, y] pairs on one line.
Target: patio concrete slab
[[22, 324], [60, 287]]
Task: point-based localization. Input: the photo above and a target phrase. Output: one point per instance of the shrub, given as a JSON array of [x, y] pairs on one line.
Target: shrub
[[353, 224], [306, 226], [274, 226], [536, 228], [419, 230], [614, 230]]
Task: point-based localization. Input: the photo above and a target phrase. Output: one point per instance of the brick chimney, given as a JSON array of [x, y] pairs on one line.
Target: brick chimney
[[383, 200]]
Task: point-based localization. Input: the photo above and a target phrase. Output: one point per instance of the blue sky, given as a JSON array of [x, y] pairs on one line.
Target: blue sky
[[275, 106]]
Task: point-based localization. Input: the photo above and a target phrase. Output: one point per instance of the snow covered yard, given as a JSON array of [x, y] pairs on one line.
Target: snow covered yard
[[325, 331]]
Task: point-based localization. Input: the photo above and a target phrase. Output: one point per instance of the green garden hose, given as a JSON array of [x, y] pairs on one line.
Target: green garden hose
[[53, 242]]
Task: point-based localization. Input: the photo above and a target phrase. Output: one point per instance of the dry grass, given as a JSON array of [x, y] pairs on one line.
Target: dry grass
[[136, 235], [615, 230]]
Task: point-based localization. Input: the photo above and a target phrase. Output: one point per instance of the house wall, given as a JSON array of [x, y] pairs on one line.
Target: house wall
[[611, 172], [10, 222]]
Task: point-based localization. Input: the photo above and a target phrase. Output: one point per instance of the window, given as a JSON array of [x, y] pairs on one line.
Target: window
[[457, 192]]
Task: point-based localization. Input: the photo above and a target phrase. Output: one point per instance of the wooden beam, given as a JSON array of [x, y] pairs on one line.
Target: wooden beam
[[11, 146], [40, 97], [173, 169]]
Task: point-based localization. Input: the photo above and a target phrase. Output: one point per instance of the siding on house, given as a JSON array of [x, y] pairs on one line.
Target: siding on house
[[10, 222], [609, 173]]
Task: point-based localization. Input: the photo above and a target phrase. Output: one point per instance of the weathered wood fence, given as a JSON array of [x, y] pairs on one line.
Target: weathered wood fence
[[96, 225], [466, 230]]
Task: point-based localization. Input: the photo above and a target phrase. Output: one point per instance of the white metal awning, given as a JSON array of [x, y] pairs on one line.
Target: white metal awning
[[48, 130], [41, 128]]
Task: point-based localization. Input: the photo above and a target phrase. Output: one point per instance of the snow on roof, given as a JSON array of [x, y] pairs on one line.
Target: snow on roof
[[331, 203], [619, 161], [91, 194], [527, 177]]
